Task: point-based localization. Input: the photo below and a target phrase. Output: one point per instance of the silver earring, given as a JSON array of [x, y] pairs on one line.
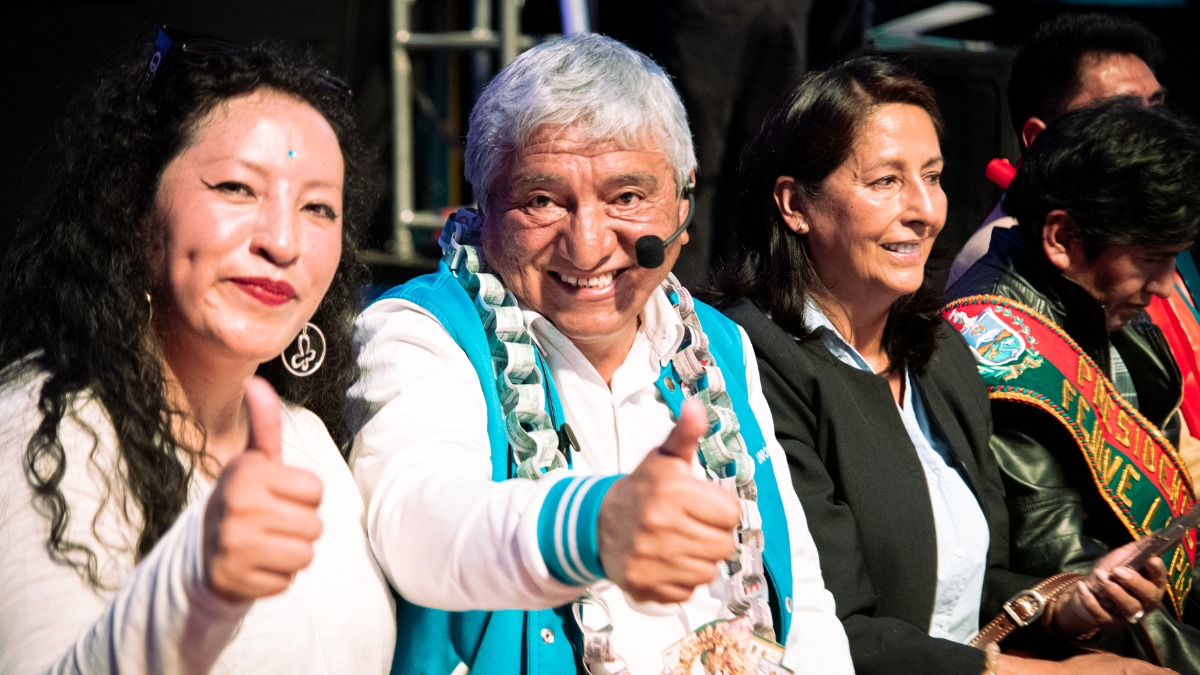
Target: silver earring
[[304, 356]]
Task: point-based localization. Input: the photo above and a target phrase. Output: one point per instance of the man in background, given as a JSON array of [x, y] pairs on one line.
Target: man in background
[[1071, 62]]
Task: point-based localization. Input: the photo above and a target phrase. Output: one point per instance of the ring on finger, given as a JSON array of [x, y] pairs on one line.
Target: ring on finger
[[1137, 617]]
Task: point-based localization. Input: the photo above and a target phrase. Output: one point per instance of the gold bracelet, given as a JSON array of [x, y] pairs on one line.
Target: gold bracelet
[[992, 663]]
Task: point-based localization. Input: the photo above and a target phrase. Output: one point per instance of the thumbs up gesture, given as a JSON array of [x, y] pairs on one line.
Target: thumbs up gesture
[[661, 530], [261, 519]]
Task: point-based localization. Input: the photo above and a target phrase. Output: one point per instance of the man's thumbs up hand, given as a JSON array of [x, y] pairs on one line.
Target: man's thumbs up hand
[[662, 531]]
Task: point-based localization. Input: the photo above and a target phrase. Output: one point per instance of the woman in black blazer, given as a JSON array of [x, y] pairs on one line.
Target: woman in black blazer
[[875, 399]]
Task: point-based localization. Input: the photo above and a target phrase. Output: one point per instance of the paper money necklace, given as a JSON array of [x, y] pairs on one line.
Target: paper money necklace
[[538, 447]]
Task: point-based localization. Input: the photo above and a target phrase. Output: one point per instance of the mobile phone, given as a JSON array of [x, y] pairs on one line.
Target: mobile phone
[[1157, 542]]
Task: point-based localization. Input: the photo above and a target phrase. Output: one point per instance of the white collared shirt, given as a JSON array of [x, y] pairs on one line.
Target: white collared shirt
[[447, 536], [962, 530]]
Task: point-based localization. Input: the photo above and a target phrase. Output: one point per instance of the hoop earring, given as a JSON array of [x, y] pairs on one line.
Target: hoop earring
[[304, 356]]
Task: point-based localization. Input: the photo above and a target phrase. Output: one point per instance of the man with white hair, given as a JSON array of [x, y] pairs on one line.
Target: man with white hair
[[513, 405]]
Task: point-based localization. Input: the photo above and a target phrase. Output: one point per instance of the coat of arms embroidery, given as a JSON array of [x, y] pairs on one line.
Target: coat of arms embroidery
[[1003, 348]]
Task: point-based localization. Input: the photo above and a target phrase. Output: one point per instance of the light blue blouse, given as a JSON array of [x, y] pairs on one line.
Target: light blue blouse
[[962, 530]]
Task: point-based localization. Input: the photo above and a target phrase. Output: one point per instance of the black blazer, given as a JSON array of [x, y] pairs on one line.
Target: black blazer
[[864, 492]]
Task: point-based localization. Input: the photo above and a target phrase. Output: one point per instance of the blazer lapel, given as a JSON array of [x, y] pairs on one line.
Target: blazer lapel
[[940, 410]]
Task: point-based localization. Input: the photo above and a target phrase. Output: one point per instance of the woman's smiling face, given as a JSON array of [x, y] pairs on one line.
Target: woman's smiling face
[[251, 213], [872, 227]]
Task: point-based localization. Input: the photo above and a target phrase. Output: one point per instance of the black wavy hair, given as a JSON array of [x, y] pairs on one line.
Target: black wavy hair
[[1125, 173], [807, 135], [1046, 72], [74, 287]]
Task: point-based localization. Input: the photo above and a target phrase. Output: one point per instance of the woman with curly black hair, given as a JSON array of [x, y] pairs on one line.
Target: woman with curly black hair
[[160, 510]]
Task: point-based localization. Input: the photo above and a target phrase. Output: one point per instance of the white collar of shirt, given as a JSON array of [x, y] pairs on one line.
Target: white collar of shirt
[[839, 346], [833, 340]]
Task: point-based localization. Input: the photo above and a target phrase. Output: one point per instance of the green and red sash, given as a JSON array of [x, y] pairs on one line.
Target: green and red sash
[[1025, 357]]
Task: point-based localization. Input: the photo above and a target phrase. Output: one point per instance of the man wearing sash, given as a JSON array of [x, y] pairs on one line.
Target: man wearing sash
[[513, 407], [1071, 62], [1085, 393]]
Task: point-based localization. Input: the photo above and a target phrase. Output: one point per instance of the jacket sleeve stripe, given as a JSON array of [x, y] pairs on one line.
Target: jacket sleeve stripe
[[567, 529]]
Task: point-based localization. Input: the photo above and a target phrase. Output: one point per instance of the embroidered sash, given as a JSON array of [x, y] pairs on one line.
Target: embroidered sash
[[1025, 357]]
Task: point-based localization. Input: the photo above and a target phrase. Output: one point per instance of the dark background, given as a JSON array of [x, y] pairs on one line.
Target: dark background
[[51, 49]]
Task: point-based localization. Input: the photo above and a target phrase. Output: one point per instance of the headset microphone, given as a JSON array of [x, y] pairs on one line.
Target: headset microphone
[[650, 249]]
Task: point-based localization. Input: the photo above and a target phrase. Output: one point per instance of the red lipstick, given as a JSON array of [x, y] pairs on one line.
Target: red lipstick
[[266, 291]]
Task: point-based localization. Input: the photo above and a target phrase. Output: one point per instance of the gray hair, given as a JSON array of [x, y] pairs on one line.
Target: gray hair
[[615, 93]]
